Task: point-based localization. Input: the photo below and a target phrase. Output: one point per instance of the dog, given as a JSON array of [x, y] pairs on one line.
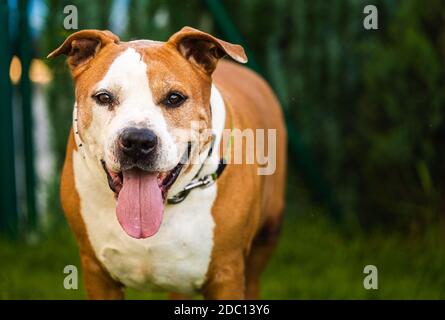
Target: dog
[[152, 200]]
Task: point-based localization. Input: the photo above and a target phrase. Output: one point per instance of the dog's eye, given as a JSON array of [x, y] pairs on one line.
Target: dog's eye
[[174, 99], [103, 98]]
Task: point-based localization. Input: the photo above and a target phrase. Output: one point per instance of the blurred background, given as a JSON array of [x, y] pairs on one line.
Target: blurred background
[[365, 114]]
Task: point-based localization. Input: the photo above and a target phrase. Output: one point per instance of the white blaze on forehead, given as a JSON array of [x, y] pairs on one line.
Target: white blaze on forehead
[[127, 71], [127, 79], [146, 42]]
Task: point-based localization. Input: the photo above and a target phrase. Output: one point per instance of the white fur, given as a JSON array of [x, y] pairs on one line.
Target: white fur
[[178, 256], [127, 80]]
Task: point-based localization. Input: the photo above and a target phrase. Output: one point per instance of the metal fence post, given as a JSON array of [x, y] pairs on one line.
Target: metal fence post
[[8, 199], [25, 53]]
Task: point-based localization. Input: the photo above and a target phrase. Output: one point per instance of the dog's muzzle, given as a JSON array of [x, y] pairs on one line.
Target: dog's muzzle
[[141, 194]]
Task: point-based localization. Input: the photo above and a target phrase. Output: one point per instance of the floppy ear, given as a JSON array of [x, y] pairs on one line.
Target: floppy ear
[[204, 50], [82, 46]]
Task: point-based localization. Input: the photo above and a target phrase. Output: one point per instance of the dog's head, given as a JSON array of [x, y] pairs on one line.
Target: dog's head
[[142, 108]]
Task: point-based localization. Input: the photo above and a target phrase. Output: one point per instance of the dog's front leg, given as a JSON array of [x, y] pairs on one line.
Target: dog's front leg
[[226, 278], [98, 283]]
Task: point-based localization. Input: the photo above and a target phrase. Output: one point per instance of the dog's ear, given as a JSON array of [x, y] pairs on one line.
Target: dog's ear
[[204, 50], [82, 46]]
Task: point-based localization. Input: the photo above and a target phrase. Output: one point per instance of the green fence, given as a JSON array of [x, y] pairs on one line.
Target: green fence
[[17, 42]]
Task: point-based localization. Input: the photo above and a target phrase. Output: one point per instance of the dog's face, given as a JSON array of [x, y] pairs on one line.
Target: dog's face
[[143, 106], [143, 112]]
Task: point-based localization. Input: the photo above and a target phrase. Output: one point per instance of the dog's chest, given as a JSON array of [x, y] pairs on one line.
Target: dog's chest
[[175, 259]]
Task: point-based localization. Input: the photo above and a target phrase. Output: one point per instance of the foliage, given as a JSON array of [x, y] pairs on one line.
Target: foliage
[[369, 104], [399, 129]]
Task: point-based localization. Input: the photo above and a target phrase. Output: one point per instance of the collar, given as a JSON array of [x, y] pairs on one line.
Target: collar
[[204, 181]]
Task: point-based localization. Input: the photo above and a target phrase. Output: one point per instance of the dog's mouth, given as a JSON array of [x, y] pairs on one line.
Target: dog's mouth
[[165, 179], [141, 196]]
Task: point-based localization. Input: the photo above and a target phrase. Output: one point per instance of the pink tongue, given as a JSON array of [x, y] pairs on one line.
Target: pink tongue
[[140, 205]]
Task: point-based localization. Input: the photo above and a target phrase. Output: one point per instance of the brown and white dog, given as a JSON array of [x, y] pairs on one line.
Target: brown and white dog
[[135, 103]]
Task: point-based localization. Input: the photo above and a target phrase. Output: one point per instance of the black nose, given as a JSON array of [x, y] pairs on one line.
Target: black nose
[[137, 143]]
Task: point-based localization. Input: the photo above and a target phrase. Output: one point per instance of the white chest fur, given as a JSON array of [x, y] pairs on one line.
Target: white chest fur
[[175, 259], [178, 256]]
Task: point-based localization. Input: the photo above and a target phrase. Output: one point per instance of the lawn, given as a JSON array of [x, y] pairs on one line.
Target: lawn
[[314, 260]]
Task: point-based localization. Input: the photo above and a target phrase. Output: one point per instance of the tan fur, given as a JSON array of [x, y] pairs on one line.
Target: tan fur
[[247, 203], [248, 208], [163, 62]]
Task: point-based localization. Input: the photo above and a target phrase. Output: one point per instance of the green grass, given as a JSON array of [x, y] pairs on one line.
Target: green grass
[[314, 260]]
